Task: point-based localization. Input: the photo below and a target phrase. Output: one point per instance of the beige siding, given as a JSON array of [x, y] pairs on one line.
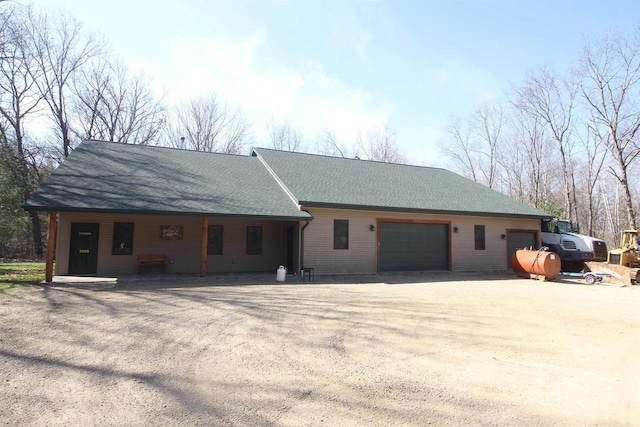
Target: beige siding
[[234, 258], [318, 242], [362, 256], [494, 257], [184, 254]]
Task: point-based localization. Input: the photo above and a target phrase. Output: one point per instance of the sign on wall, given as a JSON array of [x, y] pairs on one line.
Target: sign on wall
[[171, 232]]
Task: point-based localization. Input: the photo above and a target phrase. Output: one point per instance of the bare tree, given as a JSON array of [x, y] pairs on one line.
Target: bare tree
[[381, 144], [19, 100], [474, 144], [284, 137], [208, 125], [19, 96], [610, 195], [513, 182], [5, 16], [60, 48], [113, 105], [488, 122], [461, 149], [611, 76], [327, 144], [531, 149], [543, 96], [590, 174]]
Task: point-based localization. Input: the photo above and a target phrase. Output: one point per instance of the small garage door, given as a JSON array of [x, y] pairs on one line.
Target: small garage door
[[519, 240], [408, 246]]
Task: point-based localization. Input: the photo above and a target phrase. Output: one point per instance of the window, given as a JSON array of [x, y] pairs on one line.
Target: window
[[214, 240], [340, 234], [479, 237], [254, 240], [122, 238]]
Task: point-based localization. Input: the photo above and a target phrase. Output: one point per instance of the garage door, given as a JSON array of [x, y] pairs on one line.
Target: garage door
[[519, 240], [413, 247]]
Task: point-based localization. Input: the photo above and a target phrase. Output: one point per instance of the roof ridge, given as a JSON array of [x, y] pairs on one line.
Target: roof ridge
[[164, 147], [278, 180], [349, 158]]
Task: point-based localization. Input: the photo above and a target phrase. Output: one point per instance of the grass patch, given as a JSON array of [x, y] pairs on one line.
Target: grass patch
[[18, 274]]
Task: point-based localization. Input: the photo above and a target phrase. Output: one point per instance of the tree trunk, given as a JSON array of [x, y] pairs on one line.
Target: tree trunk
[[574, 197], [37, 232], [622, 179], [629, 203], [568, 206]]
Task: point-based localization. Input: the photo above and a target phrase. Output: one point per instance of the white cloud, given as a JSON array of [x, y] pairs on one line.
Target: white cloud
[[304, 95], [467, 82], [353, 37]]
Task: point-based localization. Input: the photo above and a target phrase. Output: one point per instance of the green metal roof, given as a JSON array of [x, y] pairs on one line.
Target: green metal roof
[[315, 180], [115, 177]]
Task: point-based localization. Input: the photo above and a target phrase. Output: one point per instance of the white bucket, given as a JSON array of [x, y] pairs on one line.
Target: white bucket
[[281, 273]]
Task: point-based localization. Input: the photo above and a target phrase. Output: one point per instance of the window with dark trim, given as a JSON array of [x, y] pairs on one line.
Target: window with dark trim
[[340, 234], [122, 238], [214, 240], [479, 237], [254, 240]]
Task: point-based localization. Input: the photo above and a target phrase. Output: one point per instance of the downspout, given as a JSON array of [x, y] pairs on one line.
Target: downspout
[[302, 243]]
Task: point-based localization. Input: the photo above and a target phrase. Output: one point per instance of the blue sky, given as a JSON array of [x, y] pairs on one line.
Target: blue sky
[[349, 66]]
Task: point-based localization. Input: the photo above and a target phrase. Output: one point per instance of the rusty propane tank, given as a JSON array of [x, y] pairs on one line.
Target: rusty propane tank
[[536, 264]]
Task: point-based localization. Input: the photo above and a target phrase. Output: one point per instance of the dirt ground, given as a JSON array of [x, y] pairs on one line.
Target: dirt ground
[[414, 350]]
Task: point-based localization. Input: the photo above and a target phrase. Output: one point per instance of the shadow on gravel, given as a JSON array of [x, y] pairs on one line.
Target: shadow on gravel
[[184, 281], [199, 350], [177, 281], [188, 401]]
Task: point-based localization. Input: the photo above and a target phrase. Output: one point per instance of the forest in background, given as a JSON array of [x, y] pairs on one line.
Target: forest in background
[[564, 141]]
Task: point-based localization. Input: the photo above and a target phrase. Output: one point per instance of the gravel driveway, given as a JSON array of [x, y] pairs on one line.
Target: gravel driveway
[[497, 351]]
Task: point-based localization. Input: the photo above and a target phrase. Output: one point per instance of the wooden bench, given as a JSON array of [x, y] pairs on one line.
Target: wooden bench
[[146, 260]]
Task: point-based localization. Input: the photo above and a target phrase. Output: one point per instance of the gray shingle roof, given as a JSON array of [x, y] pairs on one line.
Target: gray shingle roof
[[332, 181], [115, 177]]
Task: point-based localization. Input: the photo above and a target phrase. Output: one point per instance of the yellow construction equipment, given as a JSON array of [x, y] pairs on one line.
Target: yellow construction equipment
[[627, 254]]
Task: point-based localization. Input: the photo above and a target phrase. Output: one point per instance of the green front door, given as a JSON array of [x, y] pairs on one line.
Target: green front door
[[83, 252]]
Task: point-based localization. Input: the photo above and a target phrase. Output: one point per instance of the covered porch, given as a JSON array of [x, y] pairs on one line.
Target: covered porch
[[109, 244]]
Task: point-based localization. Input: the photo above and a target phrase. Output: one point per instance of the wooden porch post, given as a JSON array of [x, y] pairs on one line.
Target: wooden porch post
[[51, 246], [203, 249]]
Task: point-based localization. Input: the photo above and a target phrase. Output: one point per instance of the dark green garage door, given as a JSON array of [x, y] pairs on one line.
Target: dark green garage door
[[519, 240], [408, 246]]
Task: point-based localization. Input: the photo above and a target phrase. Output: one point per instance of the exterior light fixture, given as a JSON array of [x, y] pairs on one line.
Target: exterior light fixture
[[372, 227], [456, 229], [503, 236]]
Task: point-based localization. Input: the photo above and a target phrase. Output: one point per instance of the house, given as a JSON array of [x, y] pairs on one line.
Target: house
[[213, 213]]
